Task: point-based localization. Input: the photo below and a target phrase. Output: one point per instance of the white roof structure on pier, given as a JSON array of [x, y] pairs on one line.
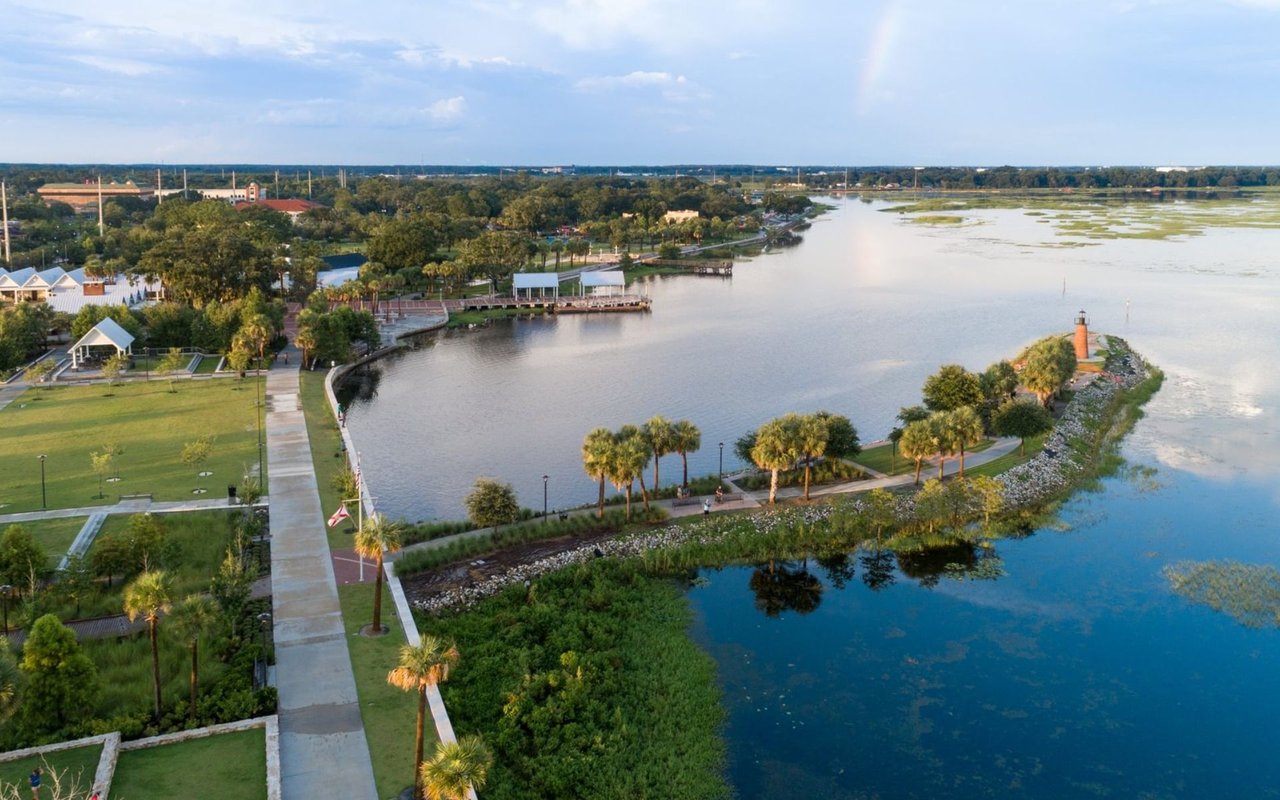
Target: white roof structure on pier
[[542, 281], [606, 281]]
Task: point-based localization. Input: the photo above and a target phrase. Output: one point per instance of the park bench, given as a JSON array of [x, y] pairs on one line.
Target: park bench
[[125, 497], [729, 498], [687, 500]]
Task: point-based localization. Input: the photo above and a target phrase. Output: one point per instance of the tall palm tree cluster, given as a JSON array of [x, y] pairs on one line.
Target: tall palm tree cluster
[[621, 457]]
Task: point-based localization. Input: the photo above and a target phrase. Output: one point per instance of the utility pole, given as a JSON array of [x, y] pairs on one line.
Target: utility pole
[[184, 183], [101, 228], [159, 197], [308, 184], [4, 204]]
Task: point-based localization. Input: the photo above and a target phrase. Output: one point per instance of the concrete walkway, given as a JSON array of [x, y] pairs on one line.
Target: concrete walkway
[[323, 749], [140, 506]]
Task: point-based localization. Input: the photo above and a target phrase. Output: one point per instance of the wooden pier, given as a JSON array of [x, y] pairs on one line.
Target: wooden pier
[[565, 304], [696, 266]]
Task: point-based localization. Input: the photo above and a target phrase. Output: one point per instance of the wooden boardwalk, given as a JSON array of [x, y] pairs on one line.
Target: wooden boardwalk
[[696, 266], [565, 304]]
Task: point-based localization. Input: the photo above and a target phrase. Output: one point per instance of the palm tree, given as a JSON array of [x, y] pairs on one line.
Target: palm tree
[[659, 432], [624, 464], [917, 443], [775, 450], [597, 453], [196, 617], [148, 597], [455, 768], [257, 332], [377, 536], [634, 448], [10, 680], [966, 429], [306, 339], [420, 667], [811, 439], [685, 439], [944, 438]]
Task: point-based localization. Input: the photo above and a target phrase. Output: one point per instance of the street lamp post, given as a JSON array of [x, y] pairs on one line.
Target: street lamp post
[[544, 498], [4, 593], [264, 619], [44, 498], [722, 462]]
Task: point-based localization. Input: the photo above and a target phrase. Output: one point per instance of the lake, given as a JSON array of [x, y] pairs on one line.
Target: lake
[[1078, 672]]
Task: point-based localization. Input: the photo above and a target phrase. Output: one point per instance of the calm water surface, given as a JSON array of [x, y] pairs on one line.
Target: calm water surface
[[1076, 674]]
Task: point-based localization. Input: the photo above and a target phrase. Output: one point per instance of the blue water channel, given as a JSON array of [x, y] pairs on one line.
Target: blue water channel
[[1077, 674]]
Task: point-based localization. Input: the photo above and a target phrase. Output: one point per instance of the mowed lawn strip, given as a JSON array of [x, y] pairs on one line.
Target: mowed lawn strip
[[229, 766], [326, 452], [79, 765], [389, 714], [147, 421]]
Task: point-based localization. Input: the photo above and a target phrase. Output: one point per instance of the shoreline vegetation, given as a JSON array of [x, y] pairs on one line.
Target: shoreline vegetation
[[579, 669]]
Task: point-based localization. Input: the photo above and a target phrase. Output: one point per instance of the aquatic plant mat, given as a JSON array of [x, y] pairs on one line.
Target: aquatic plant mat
[[1248, 593]]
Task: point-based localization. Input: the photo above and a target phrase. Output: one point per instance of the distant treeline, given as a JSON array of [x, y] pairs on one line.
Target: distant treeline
[[292, 180]]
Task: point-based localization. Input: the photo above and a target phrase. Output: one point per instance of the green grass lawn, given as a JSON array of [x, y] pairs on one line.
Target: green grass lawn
[[209, 364], [150, 424], [230, 766], [79, 764], [881, 459], [326, 450], [55, 535], [389, 714], [1008, 461]]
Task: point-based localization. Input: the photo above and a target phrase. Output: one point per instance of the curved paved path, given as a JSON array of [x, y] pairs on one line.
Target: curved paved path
[[323, 749]]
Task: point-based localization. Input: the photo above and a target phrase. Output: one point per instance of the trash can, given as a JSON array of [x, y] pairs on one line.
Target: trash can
[[231, 495]]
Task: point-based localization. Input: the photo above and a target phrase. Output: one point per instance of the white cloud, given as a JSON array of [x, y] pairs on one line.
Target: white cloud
[[448, 110], [120, 66], [631, 80]]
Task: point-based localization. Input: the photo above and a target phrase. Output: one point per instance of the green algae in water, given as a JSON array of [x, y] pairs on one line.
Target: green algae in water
[[1249, 593]]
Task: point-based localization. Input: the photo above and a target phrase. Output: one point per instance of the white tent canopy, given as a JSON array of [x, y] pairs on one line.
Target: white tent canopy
[[106, 333], [542, 281], [612, 282]]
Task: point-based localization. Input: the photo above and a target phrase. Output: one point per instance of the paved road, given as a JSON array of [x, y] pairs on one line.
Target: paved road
[[323, 748]]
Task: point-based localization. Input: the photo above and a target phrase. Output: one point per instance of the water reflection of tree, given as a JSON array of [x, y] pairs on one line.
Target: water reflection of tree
[[927, 566], [839, 568], [359, 385], [782, 587], [877, 569]]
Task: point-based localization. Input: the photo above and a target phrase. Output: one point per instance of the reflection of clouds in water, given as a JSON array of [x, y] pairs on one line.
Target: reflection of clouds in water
[[1212, 421], [1004, 597]]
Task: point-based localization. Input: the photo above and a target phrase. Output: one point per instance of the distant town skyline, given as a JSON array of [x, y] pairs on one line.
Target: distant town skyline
[[597, 82]]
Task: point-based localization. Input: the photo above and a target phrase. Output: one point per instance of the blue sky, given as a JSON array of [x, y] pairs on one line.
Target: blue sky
[[938, 82]]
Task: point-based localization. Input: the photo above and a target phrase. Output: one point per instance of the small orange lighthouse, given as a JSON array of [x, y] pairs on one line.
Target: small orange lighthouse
[[1082, 337]]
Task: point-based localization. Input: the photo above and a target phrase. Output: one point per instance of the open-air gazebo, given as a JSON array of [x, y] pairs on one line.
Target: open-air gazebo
[[107, 334], [542, 281], [604, 283]]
